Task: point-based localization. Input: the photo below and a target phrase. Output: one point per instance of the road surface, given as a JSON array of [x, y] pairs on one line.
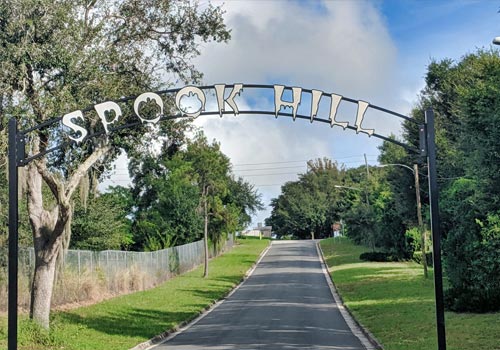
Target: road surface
[[285, 304]]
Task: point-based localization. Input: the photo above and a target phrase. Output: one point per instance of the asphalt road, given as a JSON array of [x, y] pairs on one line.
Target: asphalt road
[[285, 304]]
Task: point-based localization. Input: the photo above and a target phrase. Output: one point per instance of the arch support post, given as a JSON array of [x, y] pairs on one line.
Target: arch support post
[[435, 228], [13, 235]]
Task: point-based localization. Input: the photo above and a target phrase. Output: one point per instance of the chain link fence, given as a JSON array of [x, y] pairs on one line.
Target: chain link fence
[[89, 276]]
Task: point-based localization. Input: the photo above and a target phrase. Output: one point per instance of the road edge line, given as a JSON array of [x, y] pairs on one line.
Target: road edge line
[[183, 326], [361, 332]]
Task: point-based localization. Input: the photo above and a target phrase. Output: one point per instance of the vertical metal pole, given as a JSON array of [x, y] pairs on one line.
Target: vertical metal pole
[[419, 218], [13, 236], [436, 235]]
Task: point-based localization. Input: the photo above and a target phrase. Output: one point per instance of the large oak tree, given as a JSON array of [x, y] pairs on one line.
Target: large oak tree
[[64, 55]]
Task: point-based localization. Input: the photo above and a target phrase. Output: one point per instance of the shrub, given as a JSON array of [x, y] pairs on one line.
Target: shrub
[[473, 270], [417, 257], [376, 256]]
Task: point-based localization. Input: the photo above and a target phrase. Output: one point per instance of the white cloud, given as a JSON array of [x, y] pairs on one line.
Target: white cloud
[[344, 48], [336, 46], [120, 176]]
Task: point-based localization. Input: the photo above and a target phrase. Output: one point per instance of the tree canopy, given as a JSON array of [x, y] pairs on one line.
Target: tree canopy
[[465, 98], [63, 56]]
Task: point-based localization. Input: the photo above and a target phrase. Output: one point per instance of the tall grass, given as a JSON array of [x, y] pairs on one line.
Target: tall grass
[[86, 287], [89, 283]]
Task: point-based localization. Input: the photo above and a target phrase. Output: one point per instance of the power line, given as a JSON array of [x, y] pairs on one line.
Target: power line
[[281, 162], [269, 174], [283, 167], [291, 161], [122, 174], [304, 160], [291, 167]]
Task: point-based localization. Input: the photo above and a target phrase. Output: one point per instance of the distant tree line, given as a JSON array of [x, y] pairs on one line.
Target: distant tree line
[[381, 213], [165, 204]]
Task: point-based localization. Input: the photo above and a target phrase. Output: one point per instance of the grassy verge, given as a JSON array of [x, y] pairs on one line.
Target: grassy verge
[[396, 303], [128, 320]]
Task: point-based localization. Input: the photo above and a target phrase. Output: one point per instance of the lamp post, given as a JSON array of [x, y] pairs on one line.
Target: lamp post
[[419, 209], [355, 189]]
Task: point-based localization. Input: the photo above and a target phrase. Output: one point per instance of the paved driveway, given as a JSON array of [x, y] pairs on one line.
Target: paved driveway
[[285, 304]]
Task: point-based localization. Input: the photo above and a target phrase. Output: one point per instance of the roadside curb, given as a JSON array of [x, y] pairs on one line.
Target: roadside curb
[[181, 327], [361, 332]]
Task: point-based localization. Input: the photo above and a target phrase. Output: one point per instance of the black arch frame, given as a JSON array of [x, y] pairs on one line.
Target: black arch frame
[[17, 158]]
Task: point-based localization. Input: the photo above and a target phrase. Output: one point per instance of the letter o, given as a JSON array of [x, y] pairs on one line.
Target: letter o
[[144, 98], [185, 91]]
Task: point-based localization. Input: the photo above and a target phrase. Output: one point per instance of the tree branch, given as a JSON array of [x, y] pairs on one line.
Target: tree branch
[[82, 169], [32, 93], [49, 178]]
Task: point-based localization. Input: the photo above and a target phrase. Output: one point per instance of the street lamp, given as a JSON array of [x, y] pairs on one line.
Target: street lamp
[[496, 40], [355, 189], [419, 205], [396, 164]]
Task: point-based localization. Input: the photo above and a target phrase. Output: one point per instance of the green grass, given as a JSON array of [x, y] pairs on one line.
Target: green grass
[[396, 303], [125, 321]]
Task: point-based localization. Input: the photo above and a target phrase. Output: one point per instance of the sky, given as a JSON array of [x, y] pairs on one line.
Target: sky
[[375, 51]]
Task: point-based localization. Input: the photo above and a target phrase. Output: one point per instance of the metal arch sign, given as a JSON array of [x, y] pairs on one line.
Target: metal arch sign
[[73, 126], [219, 89], [226, 102]]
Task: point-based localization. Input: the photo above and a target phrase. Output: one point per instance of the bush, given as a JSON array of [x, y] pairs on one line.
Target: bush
[[472, 268], [472, 299], [376, 256], [417, 257]]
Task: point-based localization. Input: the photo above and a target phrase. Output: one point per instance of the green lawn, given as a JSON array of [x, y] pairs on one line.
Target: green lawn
[[396, 303], [125, 321]]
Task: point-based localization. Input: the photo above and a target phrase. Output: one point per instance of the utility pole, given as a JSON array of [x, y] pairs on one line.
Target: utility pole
[[419, 217], [367, 169], [367, 179], [421, 227], [368, 202]]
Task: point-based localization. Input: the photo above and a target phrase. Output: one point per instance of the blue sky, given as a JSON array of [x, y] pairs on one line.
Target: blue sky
[[376, 51], [425, 30]]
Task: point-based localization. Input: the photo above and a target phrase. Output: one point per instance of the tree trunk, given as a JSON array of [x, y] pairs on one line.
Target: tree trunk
[[205, 236], [48, 228], [51, 227], [41, 292]]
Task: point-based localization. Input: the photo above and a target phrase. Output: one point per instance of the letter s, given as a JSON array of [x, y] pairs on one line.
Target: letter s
[[67, 120]]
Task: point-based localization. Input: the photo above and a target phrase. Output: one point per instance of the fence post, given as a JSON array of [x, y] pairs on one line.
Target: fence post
[[79, 265]]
